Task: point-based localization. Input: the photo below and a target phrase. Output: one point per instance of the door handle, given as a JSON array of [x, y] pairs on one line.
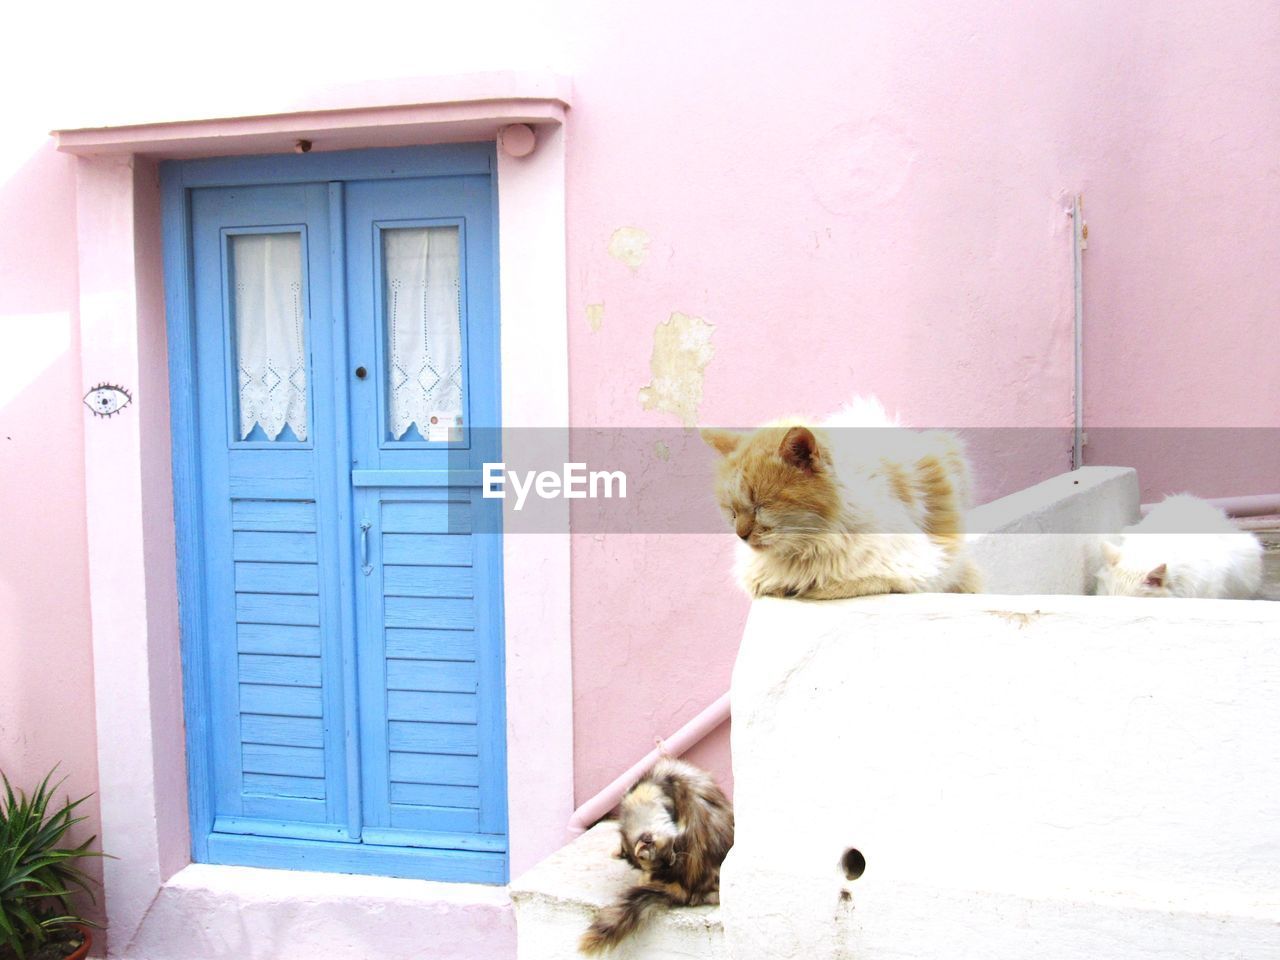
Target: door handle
[[364, 547]]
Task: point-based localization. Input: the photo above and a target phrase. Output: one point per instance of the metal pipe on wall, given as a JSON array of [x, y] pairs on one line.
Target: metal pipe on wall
[[1080, 240]]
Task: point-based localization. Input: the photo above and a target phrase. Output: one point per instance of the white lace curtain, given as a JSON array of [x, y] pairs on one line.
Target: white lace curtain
[[270, 337], [424, 317]]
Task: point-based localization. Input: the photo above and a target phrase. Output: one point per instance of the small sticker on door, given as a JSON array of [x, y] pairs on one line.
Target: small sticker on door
[[438, 428]]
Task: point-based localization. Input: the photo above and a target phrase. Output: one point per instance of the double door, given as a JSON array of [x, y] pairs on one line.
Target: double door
[[349, 641]]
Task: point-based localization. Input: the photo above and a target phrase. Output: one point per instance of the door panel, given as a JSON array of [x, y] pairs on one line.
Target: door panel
[[272, 600], [430, 605], [433, 666]]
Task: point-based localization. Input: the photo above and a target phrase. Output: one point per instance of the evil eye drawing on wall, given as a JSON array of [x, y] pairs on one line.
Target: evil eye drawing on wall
[[107, 399]]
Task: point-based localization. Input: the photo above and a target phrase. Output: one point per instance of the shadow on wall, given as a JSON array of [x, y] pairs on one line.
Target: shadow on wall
[[46, 684]]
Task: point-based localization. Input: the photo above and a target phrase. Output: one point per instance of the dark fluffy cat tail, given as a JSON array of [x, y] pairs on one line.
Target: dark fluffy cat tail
[[615, 923]]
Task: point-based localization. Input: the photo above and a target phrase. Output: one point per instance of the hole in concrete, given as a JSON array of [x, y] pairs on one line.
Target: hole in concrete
[[853, 863]]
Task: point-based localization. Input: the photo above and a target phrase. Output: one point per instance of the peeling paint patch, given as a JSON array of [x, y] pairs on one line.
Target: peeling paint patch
[[662, 451], [681, 351], [595, 316], [629, 245]]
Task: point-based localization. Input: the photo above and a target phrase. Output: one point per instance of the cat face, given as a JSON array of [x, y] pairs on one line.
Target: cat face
[[1120, 578], [647, 820], [775, 486]]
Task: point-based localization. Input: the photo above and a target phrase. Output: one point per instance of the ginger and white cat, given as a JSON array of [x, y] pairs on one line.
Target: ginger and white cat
[[1184, 547], [856, 506]]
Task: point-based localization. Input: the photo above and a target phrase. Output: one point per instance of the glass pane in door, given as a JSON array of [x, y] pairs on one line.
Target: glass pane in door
[[270, 333], [423, 316]]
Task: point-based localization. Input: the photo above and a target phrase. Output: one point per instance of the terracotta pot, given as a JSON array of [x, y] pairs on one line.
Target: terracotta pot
[[82, 951]]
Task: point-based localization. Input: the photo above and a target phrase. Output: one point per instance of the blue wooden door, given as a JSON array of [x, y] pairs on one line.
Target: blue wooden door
[[347, 665]]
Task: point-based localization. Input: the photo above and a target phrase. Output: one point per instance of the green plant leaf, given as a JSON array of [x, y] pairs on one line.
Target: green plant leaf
[[39, 872]]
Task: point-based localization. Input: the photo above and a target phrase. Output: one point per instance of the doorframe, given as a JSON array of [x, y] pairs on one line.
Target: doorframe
[[177, 181], [133, 586]]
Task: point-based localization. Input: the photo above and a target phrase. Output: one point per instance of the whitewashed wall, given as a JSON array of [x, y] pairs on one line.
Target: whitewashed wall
[[1031, 777]]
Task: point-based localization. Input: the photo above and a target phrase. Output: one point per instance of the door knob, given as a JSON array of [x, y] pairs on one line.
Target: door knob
[[361, 373]]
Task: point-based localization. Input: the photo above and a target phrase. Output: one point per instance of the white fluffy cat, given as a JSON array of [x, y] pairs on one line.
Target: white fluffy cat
[[1184, 547]]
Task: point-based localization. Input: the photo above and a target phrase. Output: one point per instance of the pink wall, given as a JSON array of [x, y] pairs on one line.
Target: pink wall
[[1183, 284], [860, 197], [46, 683]]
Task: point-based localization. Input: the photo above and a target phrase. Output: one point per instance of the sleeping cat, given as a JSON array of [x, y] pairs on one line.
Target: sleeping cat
[[854, 507], [676, 827], [1184, 547]]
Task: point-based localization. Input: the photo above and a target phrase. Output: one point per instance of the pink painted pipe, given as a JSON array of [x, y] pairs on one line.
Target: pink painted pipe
[[674, 745], [1260, 505]]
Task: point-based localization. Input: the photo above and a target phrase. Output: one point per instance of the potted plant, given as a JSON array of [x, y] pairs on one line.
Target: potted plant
[[38, 873]]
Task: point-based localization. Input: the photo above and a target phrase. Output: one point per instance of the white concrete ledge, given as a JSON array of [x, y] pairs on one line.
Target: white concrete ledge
[[1044, 539], [1027, 777]]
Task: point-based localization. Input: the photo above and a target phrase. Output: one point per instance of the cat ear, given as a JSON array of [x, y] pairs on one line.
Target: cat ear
[[800, 449], [1157, 577], [1110, 553], [724, 441]]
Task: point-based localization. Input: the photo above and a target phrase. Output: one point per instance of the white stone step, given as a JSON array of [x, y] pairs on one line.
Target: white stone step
[[1044, 539], [557, 900]]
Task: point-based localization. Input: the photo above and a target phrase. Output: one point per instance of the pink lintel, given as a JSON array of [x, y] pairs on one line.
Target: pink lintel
[[392, 114]]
